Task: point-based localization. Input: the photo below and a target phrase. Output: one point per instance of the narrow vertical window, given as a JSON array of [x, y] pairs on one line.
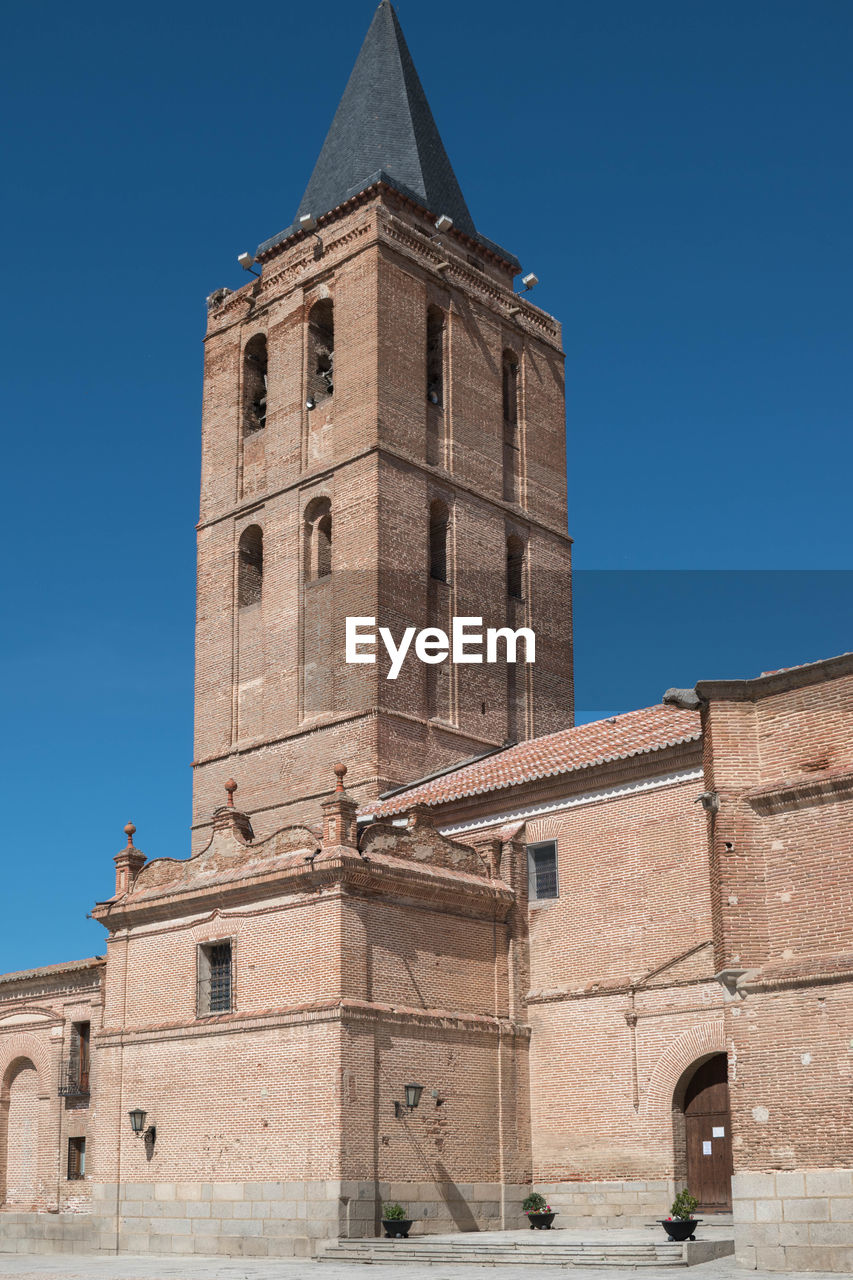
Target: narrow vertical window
[[250, 567], [510, 388], [511, 442], [76, 1159], [255, 385], [435, 357], [318, 539], [515, 568], [438, 522], [321, 353], [214, 978], [542, 871]]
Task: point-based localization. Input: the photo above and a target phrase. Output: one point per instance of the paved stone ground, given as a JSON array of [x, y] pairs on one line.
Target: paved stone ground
[[84, 1267]]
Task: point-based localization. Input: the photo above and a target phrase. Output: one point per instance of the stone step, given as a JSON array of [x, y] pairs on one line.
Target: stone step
[[538, 1253]]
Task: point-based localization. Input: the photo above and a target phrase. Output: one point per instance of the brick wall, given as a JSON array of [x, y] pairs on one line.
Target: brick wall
[[781, 761], [275, 703]]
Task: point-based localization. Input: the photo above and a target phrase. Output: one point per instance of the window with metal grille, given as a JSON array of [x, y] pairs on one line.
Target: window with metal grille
[[76, 1159], [542, 868], [214, 978]]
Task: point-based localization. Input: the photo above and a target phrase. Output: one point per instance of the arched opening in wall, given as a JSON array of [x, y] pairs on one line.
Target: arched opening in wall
[[317, 681], [317, 536], [19, 1135], [702, 1140], [439, 520], [250, 566], [511, 440], [321, 353], [435, 344], [255, 385]]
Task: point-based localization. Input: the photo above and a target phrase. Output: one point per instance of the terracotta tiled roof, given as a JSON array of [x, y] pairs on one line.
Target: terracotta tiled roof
[[619, 738], [47, 970]]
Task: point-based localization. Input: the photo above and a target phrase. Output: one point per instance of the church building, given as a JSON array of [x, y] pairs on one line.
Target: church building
[[431, 942]]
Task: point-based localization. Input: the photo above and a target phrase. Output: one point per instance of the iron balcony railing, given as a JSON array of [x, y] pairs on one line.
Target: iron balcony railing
[[73, 1080]]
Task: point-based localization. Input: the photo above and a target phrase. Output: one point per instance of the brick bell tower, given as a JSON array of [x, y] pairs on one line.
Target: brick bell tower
[[383, 436]]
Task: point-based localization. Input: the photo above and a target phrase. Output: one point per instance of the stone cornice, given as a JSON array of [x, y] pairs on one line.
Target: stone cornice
[[399, 879], [340, 1011], [775, 681], [782, 797]]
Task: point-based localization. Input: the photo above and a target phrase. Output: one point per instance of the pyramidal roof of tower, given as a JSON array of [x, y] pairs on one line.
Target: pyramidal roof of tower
[[384, 131]]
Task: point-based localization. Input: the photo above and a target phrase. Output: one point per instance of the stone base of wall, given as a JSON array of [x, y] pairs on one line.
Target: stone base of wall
[[608, 1204], [255, 1219], [49, 1233], [434, 1207], [800, 1221]]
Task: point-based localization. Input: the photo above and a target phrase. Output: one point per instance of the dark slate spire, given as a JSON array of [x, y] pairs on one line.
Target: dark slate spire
[[384, 126], [384, 130]]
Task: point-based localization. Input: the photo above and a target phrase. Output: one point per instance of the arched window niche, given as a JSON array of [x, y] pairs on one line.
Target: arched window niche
[[318, 539], [255, 385], [250, 566], [435, 357], [321, 353]]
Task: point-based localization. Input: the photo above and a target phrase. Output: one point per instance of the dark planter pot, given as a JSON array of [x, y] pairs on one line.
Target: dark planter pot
[[397, 1228], [541, 1221], [680, 1228]]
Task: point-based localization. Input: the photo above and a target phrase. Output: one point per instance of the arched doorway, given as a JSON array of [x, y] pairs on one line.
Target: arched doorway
[[19, 1135], [703, 1135]]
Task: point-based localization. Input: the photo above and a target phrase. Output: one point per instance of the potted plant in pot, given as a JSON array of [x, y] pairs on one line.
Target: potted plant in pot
[[397, 1226], [680, 1225], [540, 1215]]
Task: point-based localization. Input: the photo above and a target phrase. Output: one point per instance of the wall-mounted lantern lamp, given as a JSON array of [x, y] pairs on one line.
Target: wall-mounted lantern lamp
[[413, 1096], [138, 1116]]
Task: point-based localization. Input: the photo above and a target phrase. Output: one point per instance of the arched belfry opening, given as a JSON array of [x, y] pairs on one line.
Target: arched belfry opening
[[701, 1121], [255, 385], [321, 353]]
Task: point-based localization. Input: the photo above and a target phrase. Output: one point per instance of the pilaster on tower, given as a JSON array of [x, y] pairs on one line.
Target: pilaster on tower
[[383, 437]]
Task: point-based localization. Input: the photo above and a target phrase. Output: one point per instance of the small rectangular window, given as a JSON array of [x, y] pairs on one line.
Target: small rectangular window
[[542, 869], [214, 978], [76, 1159]]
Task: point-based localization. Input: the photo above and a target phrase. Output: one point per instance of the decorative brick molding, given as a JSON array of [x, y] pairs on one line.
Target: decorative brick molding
[[690, 1048]]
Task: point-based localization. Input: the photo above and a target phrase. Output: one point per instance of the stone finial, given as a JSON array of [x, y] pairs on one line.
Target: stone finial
[[340, 826], [227, 818], [129, 862]]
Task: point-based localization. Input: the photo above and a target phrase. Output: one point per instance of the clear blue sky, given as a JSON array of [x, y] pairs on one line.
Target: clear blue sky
[[677, 173]]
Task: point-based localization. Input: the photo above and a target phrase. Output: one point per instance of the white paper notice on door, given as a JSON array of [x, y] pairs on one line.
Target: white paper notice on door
[[706, 1148], [718, 1131]]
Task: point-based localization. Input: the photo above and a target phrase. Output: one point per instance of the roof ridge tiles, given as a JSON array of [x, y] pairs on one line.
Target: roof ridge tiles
[[622, 737]]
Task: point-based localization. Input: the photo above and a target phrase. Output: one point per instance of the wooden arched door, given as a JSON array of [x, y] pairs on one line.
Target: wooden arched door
[[707, 1126]]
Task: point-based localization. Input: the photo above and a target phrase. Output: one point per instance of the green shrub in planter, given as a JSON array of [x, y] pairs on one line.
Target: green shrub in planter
[[534, 1203], [393, 1213], [683, 1205]]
